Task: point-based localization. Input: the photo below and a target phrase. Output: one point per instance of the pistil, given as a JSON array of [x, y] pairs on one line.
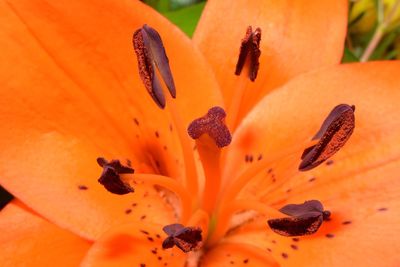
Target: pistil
[[211, 135]]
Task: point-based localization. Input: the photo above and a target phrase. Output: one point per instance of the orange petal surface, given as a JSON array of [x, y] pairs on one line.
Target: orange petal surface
[[283, 124], [364, 207], [134, 244], [237, 254], [359, 185], [71, 93], [29, 240], [297, 36]]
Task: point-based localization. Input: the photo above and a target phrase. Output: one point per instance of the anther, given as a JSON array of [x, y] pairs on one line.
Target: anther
[[333, 134], [213, 124], [250, 48], [305, 219], [151, 54], [185, 238], [110, 177]]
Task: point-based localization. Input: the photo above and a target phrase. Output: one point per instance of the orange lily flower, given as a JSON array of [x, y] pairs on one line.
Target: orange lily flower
[[72, 93]]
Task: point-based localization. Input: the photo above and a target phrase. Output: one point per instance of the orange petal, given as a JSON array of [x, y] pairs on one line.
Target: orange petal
[[134, 244], [28, 240], [237, 254], [283, 124], [364, 207], [58, 179], [73, 93], [360, 186], [297, 36]]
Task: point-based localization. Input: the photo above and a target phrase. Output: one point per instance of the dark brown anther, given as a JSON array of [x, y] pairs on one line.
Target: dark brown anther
[[150, 54], [250, 48], [333, 134], [213, 124], [185, 238], [305, 219], [110, 177]]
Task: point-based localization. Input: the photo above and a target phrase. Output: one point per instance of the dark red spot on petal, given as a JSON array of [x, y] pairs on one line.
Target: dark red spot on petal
[[330, 235], [82, 187], [329, 162], [284, 255]]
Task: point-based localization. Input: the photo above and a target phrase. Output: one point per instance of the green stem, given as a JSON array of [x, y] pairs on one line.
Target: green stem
[[379, 32]]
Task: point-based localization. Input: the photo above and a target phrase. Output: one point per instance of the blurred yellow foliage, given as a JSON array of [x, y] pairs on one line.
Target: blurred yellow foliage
[[364, 15]]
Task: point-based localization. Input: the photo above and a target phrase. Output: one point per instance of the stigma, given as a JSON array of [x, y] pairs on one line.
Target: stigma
[[213, 124]]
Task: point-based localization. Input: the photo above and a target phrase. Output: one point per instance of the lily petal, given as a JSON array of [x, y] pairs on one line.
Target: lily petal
[[297, 36], [359, 187], [237, 254], [134, 244], [364, 207], [29, 240], [71, 93], [283, 124]]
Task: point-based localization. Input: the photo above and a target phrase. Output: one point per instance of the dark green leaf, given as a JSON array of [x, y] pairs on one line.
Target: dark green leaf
[[349, 56], [186, 18]]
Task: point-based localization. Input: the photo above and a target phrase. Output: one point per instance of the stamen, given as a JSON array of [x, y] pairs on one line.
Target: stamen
[[333, 134], [185, 238], [213, 124], [191, 179], [150, 54], [211, 134], [250, 48], [170, 184], [110, 177], [225, 215], [305, 219]]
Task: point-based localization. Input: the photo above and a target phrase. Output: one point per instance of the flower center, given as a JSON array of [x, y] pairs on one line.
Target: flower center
[[207, 218]]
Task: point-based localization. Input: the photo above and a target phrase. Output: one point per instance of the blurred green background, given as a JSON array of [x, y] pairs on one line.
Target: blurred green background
[[373, 31]]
